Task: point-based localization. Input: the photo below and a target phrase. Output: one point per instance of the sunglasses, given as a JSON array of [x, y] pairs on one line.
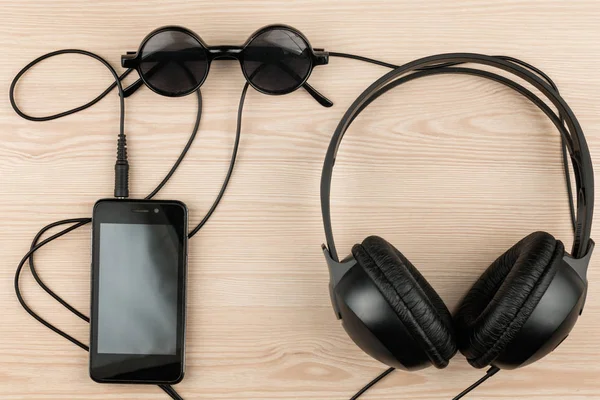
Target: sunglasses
[[174, 61]]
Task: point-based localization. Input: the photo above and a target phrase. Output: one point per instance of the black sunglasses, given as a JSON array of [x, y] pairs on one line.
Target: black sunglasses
[[174, 61]]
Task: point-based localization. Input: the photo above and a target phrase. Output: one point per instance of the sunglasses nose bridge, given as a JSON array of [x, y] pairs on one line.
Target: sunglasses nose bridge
[[225, 52]]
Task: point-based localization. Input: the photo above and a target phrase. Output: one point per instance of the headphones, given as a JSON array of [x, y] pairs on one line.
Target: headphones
[[521, 308]]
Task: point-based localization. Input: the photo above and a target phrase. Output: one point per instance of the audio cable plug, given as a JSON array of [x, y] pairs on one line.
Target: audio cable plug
[[121, 169]]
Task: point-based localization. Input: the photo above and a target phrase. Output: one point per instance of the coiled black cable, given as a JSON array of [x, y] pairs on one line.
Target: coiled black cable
[[117, 82], [79, 222]]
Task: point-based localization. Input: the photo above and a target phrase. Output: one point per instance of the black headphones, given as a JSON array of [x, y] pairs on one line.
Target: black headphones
[[521, 308]]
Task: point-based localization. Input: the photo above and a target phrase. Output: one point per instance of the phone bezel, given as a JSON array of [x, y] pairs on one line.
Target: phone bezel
[[133, 368]]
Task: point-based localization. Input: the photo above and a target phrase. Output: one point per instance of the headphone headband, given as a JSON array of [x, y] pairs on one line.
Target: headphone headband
[[437, 64]]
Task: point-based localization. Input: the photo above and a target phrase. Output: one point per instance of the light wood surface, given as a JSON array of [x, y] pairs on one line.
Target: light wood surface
[[452, 170]]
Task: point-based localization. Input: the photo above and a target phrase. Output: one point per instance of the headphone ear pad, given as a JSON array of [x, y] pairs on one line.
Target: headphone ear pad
[[504, 297], [413, 299]]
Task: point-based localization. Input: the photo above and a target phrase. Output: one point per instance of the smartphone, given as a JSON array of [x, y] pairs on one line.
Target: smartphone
[[139, 263]]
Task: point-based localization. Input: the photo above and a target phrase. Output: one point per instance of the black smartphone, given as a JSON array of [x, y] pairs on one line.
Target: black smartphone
[[139, 263]]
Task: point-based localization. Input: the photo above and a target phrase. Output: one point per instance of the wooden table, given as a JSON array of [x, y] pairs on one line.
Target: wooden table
[[453, 170]]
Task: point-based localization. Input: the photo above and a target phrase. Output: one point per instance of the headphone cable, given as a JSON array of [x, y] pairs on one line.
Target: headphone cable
[[490, 372], [373, 382]]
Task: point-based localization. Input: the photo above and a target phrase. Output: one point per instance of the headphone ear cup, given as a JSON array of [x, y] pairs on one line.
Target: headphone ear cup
[[413, 299], [504, 297]]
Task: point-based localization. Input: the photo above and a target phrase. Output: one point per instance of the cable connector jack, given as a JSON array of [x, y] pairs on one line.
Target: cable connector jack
[[121, 169]]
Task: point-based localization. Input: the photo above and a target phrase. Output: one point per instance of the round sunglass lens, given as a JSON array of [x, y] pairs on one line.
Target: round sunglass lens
[[277, 61], [173, 62]]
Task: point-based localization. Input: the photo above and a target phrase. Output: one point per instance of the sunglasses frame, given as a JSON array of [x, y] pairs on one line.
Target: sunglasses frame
[[133, 59]]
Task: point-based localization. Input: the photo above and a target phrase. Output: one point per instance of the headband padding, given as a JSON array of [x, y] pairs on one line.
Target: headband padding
[[497, 306], [418, 306]]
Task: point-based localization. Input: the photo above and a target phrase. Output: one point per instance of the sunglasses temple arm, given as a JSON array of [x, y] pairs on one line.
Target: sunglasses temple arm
[[131, 89], [322, 100]]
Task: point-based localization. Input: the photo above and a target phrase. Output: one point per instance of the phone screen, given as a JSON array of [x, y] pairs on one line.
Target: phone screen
[[139, 251], [137, 310]]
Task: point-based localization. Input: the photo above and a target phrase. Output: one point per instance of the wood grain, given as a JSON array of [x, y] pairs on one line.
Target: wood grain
[[453, 170]]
